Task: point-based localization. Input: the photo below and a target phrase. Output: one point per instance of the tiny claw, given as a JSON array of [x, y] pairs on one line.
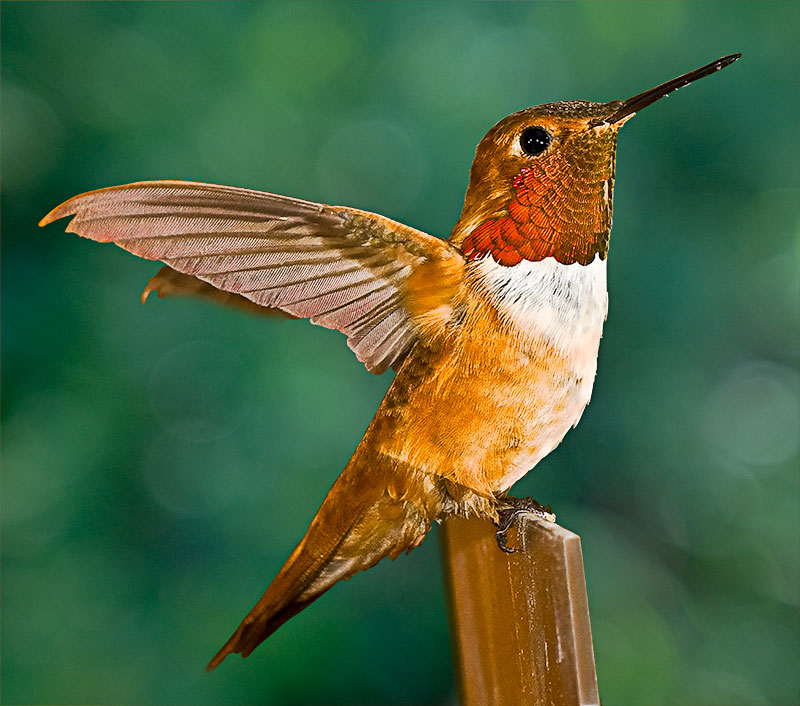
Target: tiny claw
[[502, 540], [508, 516]]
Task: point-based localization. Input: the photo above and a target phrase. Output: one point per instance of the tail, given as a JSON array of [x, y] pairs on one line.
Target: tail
[[366, 516]]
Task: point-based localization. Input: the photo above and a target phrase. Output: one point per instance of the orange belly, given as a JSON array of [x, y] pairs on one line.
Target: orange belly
[[484, 405]]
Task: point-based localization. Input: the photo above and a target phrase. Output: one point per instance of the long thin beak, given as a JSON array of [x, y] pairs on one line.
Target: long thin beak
[[642, 100]]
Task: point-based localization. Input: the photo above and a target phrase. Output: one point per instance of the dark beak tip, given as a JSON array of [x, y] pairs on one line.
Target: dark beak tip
[[642, 100], [727, 60]]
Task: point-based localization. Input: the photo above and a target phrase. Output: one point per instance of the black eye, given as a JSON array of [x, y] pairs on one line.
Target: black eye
[[534, 140]]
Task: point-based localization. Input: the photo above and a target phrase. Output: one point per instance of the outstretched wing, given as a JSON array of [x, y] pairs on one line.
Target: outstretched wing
[[343, 268]]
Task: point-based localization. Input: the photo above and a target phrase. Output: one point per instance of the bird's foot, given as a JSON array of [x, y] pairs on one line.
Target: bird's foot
[[509, 516]]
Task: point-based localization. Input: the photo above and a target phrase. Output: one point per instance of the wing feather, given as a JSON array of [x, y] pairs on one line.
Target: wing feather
[[343, 268]]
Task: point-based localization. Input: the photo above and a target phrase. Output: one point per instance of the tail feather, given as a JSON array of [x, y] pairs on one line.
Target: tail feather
[[361, 521]]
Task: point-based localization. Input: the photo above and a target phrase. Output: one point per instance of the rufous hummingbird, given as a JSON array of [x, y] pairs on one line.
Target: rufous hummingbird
[[494, 333]]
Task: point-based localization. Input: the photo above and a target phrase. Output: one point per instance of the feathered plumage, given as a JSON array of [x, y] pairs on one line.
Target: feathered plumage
[[496, 348]]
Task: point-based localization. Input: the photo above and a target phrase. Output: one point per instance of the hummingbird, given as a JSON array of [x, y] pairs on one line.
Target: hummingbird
[[493, 333]]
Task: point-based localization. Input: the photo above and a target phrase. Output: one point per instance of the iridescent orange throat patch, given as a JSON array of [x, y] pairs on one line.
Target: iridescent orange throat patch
[[561, 208]]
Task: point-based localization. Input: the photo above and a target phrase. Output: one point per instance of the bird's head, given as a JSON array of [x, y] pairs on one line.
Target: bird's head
[[542, 181]]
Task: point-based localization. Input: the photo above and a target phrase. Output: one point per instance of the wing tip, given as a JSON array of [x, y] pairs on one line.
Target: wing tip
[[69, 207], [146, 293], [59, 211]]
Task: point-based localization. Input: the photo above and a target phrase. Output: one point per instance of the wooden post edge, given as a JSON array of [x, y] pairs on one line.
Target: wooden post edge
[[520, 622]]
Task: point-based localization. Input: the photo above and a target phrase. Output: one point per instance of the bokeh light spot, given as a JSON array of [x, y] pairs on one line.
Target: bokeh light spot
[[753, 414], [372, 164], [194, 477], [199, 391], [31, 131]]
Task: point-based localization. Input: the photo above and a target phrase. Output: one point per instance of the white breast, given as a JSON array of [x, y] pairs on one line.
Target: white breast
[[563, 306]]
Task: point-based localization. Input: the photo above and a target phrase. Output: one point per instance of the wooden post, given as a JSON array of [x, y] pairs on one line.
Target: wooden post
[[520, 621]]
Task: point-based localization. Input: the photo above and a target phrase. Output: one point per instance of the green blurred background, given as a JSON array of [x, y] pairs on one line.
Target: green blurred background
[[160, 461]]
